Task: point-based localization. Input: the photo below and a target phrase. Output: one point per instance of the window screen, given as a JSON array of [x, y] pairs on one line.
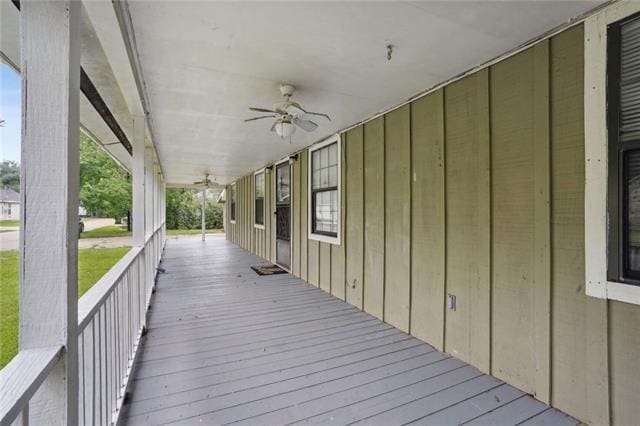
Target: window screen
[[324, 190], [623, 123], [232, 202], [259, 198]]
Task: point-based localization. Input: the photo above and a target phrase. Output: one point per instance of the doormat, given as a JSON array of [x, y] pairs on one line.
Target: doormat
[[268, 270]]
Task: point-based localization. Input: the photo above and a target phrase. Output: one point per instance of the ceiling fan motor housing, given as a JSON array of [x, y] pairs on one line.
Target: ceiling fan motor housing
[[287, 89]]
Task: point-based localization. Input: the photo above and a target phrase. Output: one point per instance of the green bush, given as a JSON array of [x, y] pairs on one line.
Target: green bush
[[183, 210]]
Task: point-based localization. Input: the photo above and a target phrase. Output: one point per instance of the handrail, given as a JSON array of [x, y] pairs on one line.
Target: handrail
[[111, 322], [91, 301], [22, 377]]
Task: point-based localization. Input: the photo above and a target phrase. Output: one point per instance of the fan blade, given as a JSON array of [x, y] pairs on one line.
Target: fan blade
[[306, 125], [297, 105], [273, 128], [262, 110], [319, 114], [260, 118]]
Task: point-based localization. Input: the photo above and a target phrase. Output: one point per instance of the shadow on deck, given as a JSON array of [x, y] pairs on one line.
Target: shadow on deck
[[228, 346]]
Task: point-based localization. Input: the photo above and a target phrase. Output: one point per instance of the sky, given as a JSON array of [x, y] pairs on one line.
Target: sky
[[10, 99]]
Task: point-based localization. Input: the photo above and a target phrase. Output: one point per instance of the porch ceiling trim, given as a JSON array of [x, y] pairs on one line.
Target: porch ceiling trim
[[93, 96], [121, 9]]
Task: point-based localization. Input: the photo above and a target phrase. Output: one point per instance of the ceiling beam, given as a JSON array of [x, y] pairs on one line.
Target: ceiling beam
[[123, 16], [93, 96]]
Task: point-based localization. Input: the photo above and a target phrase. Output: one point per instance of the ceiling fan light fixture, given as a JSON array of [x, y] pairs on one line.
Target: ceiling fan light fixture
[[285, 129]]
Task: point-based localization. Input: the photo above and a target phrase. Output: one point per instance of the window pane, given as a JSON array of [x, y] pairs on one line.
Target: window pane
[[324, 178], [259, 211], [333, 176], [324, 158], [260, 185], [326, 212], [315, 160], [232, 198], [632, 160], [333, 154]]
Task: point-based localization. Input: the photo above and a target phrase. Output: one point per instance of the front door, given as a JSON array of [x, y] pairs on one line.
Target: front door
[[283, 215]]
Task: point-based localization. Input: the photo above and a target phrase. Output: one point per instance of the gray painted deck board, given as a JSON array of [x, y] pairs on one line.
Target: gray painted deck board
[[228, 346]]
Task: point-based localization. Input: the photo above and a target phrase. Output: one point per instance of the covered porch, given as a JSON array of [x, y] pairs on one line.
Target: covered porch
[[434, 218], [225, 345]]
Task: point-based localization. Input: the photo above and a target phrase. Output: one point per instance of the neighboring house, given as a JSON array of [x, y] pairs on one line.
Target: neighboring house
[[9, 204]]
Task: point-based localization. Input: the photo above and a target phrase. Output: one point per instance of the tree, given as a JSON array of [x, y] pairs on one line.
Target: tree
[[184, 210], [213, 215], [10, 175], [104, 185]]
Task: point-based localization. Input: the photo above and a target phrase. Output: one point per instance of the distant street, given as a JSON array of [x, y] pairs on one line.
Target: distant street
[[11, 240]]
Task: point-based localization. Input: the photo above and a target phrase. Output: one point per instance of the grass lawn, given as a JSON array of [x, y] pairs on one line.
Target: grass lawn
[[192, 231], [92, 264], [107, 231], [9, 223]]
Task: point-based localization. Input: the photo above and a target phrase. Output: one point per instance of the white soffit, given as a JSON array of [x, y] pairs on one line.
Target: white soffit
[[205, 63]]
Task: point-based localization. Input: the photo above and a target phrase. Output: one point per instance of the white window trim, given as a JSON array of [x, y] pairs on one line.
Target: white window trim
[[317, 237], [596, 155], [234, 201], [264, 198]]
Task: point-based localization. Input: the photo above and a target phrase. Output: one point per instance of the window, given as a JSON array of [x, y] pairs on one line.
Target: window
[[623, 124], [612, 152], [232, 203], [259, 199], [324, 190]]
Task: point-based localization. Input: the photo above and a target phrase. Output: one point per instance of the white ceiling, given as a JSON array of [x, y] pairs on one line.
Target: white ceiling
[[205, 63]]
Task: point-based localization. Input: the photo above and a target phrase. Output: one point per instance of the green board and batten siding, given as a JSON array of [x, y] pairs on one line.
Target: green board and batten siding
[[477, 190]]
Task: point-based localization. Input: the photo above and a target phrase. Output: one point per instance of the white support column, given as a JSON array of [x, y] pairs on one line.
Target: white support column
[[138, 181], [138, 207], [148, 222], [204, 201], [50, 63], [148, 194]]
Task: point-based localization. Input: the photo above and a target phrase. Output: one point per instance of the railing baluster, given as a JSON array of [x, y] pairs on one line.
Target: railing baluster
[[82, 378], [94, 393], [111, 317]]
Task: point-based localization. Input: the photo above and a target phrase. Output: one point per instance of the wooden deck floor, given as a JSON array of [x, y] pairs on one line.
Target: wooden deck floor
[[228, 346]]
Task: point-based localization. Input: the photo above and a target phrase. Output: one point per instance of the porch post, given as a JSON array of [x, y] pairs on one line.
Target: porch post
[[138, 180], [204, 200], [138, 210], [50, 63], [148, 182], [148, 221]]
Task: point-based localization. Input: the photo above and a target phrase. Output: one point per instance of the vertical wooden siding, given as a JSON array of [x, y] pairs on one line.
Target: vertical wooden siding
[[477, 190], [427, 219], [354, 213], [467, 224], [397, 211], [374, 216], [579, 373]]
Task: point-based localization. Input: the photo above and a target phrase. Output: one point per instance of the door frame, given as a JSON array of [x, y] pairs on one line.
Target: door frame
[[287, 159]]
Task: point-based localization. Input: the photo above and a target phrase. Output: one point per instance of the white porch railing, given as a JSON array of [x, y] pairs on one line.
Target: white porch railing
[[111, 320]]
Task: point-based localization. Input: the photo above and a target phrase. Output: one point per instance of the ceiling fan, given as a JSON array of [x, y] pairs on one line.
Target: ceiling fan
[[288, 115], [205, 183]]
